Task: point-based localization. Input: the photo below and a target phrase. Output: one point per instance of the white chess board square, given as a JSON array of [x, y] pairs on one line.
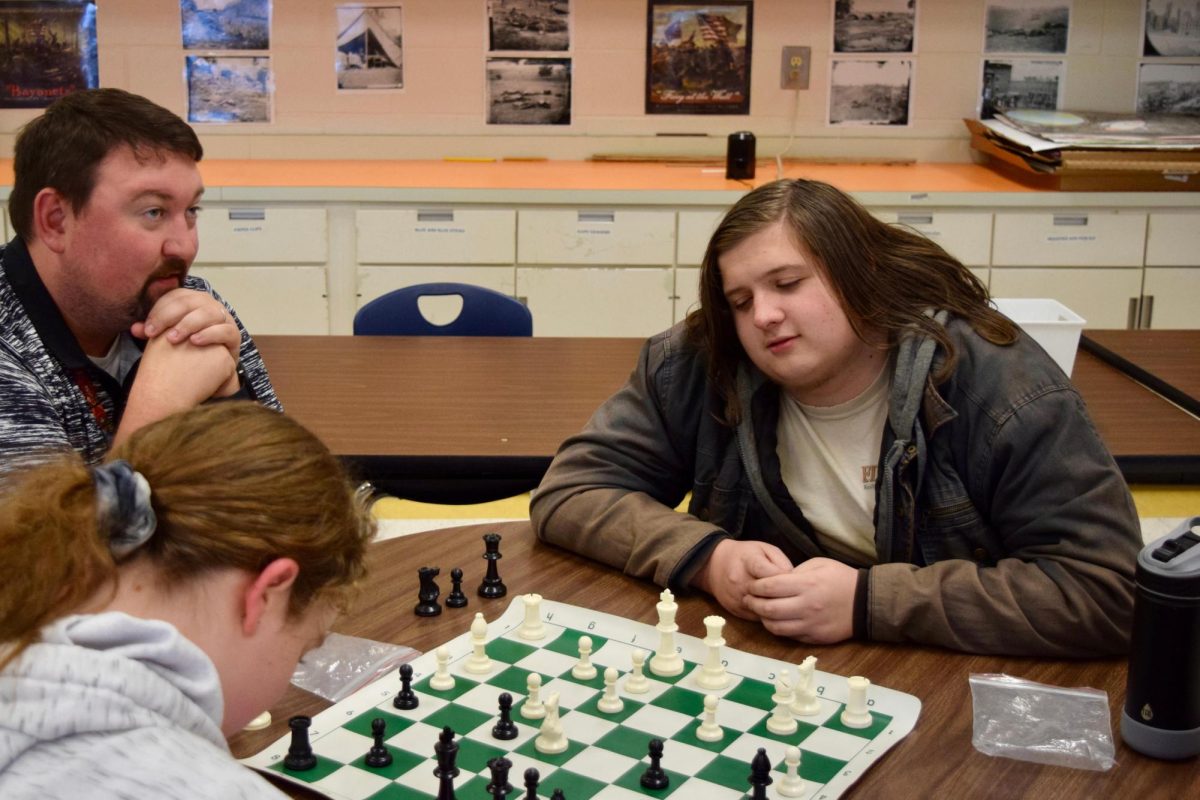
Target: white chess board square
[[684, 758], [584, 728], [697, 789], [428, 705], [808, 791], [547, 662], [600, 764], [418, 738], [484, 697], [522, 762], [483, 733], [660, 722], [823, 715], [421, 778], [738, 716], [654, 688], [835, 744], [691, 681], [344, 745], [744, 748], [352, 782], [611, 792], [619, 655], [570, 694]]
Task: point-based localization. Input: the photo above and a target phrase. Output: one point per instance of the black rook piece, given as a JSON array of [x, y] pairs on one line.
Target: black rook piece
[[655, 777], [760, 775], [531, 783], [492, 586], [300, 755], [428, 593], [499, 786], [456, 598], [378, 756], [406, 698], [447, 767], [505, 728]]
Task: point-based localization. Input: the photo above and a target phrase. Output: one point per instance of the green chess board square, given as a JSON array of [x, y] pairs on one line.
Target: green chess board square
[[461, 686], [508, 651], [530, 750], [626, 741], [685, 701], [752, 693], [803, 730], [512, 679], [728, 772], [878, 723], [688, 667], [473, 756], [362, 723], [460, 718], [594, 682], [632, 780], [324, 768], [475, 786], [816, 767], [688, 736], [574, 785], [567, 643], [394, 791], [402, 762], [592, 706]]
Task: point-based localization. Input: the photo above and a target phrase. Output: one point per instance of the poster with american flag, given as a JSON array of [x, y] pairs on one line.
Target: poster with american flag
[[698, 57]]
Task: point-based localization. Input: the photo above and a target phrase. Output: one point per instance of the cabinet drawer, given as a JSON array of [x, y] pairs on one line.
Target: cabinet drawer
[[1101, 296], [596, 236], [966, 236], [1069, 239], [695, 229], [376, 281], [436, 236], [262, 235], [1173, 239], [289, 300], [589, 301]]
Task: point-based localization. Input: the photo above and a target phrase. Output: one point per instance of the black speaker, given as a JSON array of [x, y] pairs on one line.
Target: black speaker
[[739, 156]]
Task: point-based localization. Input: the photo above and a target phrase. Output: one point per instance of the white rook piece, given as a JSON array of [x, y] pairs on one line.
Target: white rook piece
[[478, 662], [855, 714], [532, 628], [781, 721], [637, 682], [666, 661], [442, 680], [805, 702], [713, 675], [791, 785], [584, 670], [533, 707], [709, 730], [610, 703]]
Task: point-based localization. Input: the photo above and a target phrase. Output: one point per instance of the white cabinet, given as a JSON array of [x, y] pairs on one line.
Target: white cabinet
[[263, 235], [687, 291], [695, 229], [966, 235], [1171, 297], [1173, 239], [592, 301], [1075, 238], [1103, 297], [596, 237], [273, 299], [436, 236]]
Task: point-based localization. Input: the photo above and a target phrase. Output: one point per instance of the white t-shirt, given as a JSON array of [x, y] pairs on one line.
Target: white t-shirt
[[120, 358], [830, 457]]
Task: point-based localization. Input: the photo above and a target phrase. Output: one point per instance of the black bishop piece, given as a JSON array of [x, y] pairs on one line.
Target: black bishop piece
[[760, 775]]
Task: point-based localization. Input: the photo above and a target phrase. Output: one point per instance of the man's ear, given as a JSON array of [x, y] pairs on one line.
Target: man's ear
[[267, 593], [51, 213]]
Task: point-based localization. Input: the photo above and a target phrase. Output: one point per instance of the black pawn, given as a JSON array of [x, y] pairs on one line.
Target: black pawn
[[446, 771], [492, 586], [428, 593], [531, 783], [655, 777], [760, 775], [300, 754], [558, 795], [456, 598], [406, 698], [378, 756], [499, 786], [505, 728]]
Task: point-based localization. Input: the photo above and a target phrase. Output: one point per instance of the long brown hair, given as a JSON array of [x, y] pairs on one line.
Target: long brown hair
[[232, 484], [885, 277]]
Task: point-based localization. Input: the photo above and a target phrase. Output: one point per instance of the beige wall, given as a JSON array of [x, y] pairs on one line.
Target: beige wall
[[440, 112]]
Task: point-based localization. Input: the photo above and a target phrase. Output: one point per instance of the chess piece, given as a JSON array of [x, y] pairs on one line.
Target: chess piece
[[637, 682], [805, 701], [584, 669], [610, 703], [300, 753], [442, 680], [713, 675], [791, 785], [551, 739], [478, 662], [427, 605], [446, 750], [760, 775], [499, 787], [781, 721], [505, 728], [531, 783], [558, 795], [457, 598], [406, 698], [856, 715], [532, 628], [533, 707], [261, 722], [709, 730], [378, 756], [655, 777], [492, 587], [666, 661]]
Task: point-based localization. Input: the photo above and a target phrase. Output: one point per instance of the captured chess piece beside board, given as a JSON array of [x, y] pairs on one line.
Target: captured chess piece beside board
[[602, 707]]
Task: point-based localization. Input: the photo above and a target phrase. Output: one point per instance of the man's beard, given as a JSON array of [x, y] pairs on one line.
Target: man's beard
[[171, 268]]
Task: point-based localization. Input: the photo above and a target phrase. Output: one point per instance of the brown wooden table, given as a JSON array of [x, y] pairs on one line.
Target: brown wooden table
[[424, 412], [936, 760], [1168, 361]]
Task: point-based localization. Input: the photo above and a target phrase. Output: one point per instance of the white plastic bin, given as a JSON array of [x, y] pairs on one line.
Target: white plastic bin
[[1051, 324]]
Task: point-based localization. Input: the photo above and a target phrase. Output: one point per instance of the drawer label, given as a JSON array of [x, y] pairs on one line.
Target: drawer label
[[1073, 238]]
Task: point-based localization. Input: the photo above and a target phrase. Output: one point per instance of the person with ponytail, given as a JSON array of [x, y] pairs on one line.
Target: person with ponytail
[[155, 603]]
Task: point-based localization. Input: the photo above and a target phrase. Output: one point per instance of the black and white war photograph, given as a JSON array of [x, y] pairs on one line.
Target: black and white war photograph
[[1026, 26], [530, 25], [1172, 28], [1168, 89], [529, 91], [874, 26], [870, 92], [1010, 83], [226, 24], [229, 88], [370, 48]]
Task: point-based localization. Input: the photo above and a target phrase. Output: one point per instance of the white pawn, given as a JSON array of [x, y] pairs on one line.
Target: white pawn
[[666, 661], [532, 628], [713, 675], [478, 662], [551, 739], [856, 715], [584, 670], [781, 722], [791, 785], [709, 730], [637, 682], [610, 703], [805, 702], [442, 680], [533, 707]]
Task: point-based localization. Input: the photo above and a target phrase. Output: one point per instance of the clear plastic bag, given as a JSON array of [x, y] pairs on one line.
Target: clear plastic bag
[[345, 664], [1031, 721]]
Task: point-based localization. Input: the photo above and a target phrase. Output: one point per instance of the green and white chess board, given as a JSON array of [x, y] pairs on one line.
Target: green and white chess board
[[607, 752]]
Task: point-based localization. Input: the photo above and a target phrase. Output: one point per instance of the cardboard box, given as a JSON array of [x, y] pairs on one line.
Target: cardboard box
[[1051, 324], [1090, 170]]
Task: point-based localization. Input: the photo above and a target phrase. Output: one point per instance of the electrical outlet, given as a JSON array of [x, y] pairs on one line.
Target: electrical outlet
[[794, 73]]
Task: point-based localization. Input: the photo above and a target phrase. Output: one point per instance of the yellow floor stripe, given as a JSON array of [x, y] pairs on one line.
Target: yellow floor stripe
[[1166, 501]]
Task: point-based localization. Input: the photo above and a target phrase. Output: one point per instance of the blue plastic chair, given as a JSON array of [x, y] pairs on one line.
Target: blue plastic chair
[[484, 313]]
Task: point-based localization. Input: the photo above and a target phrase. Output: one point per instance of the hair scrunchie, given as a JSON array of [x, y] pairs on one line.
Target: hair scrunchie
[[123, 507]]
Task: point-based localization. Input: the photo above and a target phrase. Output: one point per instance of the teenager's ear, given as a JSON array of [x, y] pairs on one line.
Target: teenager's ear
[[268, 593], [51, 213]]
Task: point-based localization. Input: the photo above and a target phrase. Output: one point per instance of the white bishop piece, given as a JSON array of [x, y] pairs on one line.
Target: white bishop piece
[[478, 662]]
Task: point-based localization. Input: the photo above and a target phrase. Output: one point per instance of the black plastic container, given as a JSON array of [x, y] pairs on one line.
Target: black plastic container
[[1161, 717], [739, 156]]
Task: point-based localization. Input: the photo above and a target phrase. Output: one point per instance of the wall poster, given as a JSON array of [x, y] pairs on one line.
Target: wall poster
[[698, 57], [47, 50], [369, 47]]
